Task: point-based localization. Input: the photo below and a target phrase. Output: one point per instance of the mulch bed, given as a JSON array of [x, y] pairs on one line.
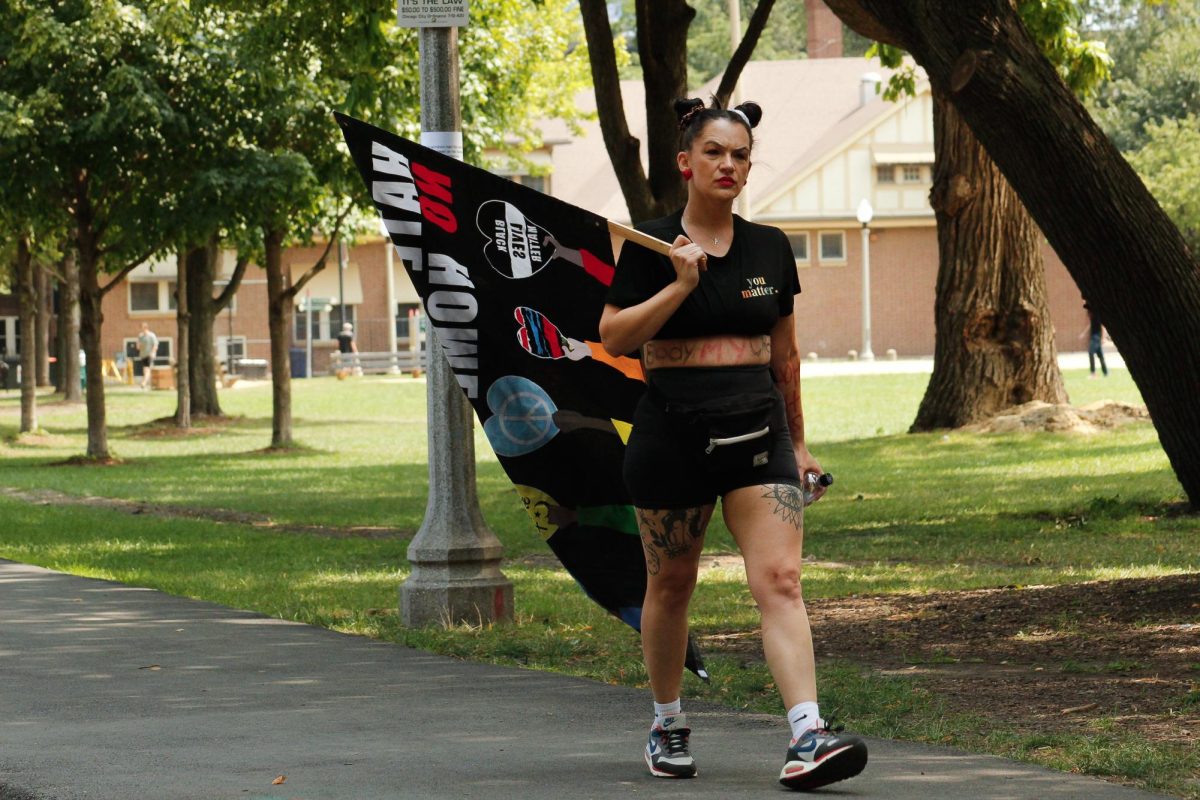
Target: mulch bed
[[1044, 658]]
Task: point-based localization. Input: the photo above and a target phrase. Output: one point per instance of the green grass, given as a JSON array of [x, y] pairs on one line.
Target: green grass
[[908, 513]]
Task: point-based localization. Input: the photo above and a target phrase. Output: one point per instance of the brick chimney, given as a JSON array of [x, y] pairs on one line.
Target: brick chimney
[[824, 30]]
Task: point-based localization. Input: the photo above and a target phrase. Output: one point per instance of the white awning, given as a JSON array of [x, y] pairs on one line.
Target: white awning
[[325, 283], [900, 155]]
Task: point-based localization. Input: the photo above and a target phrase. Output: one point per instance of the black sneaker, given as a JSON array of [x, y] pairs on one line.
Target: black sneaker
[[822, 756], [667, 753]]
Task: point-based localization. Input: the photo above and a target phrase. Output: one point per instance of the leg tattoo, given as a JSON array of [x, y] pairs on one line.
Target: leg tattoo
[[789, 503], [669, 532]]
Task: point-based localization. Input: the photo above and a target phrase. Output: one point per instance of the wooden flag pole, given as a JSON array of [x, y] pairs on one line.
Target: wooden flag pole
[[645, 240]]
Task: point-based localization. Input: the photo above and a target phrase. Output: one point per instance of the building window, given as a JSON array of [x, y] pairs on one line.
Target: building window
[[162, 357], [326, 325], [537, 182], [152, 296], [10, 336], [833, 246], [885, 173], [406, 314], [799, 242], [230, 350], [911, 173]]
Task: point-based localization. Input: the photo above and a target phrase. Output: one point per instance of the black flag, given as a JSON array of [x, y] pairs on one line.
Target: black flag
[[513, 281]]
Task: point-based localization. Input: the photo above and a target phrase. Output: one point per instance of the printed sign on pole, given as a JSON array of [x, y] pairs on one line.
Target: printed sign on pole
[[432, 13]]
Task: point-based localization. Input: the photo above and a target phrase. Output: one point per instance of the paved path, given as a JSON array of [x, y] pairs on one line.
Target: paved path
[[110, 692]]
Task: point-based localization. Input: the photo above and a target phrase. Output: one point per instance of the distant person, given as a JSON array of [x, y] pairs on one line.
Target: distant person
[[347, 346], [1095, 334], [147, 344]]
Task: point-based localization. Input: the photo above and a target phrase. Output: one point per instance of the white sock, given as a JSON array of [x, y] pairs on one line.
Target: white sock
[[664, 710], [803, 717]]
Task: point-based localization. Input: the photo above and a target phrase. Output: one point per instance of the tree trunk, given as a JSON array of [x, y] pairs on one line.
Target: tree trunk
[[27, 304], [90, 321], [68, 320], [1129, 260], [202, 376], [279, 321], [43, 285], [183, 408], [995, 341], [662, 28]]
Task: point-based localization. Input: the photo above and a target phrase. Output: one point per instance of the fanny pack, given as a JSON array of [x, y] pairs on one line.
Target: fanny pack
[[728, 433]]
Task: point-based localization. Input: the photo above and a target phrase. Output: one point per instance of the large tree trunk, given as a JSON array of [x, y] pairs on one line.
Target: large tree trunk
[[183, 407], [662, 28], [202, 375], [27, 304], [201, 270], [995, 341], [1127, 257], [279, 321], [43, 285], [68, 321], [90, 321]]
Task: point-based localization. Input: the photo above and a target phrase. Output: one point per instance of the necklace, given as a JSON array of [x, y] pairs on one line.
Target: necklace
[[692, 226]]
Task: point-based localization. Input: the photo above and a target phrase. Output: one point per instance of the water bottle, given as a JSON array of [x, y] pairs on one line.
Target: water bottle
[[813, 480]]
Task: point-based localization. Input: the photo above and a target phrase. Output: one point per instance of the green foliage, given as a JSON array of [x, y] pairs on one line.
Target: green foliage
[[87, 124], [1160, 78], [1169, 163], [1054, 25], [709, 45]]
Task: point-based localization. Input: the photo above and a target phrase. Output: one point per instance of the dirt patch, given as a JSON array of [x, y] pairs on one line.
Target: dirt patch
[[1040, 416], [165, 427], [1043, 658], [261, 521]]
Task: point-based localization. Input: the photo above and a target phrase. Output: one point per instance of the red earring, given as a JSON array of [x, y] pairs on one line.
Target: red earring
[[687, 173]]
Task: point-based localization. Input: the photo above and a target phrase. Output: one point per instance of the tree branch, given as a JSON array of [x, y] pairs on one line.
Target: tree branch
[[623, 149], [235, 281], [745, 49], [293, 290], [865, 21], [129, 267]]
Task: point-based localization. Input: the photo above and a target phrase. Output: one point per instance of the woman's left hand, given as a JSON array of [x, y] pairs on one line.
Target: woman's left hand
[[807, 463]]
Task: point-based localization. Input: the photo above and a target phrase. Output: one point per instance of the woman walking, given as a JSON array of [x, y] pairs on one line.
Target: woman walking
[[722, 417]]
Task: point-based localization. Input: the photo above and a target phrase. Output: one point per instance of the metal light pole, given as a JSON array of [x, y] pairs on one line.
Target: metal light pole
[[865, 213], [455, 557], [341, 286]]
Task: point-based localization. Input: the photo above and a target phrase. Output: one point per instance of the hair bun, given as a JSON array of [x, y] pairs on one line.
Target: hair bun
[[686, 108], [753, 112]]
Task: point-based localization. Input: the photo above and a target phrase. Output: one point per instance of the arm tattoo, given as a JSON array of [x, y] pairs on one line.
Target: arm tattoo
[[787, 378], [789, 503], [669, 532]]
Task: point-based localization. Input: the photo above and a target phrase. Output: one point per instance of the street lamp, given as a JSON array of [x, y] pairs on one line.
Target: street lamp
[[864, 214]]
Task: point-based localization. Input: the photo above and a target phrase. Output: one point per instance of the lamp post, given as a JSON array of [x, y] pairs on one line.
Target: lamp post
[[865, 213]]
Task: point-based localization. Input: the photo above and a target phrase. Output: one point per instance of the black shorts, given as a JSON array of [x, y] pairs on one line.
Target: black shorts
[[665, 469], [146, 361]]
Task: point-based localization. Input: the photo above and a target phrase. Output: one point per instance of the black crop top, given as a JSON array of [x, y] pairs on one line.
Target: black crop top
[[744, 292]]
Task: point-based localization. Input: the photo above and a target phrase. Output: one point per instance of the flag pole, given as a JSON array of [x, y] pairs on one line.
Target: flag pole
[[634, 235]]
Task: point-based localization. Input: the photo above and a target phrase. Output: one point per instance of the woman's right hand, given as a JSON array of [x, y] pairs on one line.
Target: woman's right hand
[[689, 260]]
